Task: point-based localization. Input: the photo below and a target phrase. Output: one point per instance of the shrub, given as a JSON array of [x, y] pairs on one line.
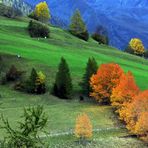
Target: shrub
[[37, 29], [128, 49], [20, 86], [146, 54], [33, 16], [26, 134], [13, 74], [63, 84], [1, 64], [83, 35], [3, 80], [101, 39]]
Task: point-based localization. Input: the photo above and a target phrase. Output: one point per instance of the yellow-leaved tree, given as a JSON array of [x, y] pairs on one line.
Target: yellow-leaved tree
[[83, 127], [40, 83], [137, 46], [42, 12]]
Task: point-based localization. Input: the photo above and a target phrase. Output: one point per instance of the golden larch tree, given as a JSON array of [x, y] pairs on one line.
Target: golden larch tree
[[132, 113], [125, 91], [42, 12], [141, 127], [137, 46], [83, 127]]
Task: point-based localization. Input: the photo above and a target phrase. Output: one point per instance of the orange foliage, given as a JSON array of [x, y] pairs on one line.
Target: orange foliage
[[134, 114], [125, 91], [141, 127], [83, 128], [102, 83]]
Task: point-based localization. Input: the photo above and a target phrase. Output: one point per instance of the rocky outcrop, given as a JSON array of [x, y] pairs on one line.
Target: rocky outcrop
[[24, 7]]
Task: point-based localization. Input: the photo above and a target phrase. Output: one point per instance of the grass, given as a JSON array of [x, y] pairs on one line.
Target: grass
[[14, 39], [45, 54]]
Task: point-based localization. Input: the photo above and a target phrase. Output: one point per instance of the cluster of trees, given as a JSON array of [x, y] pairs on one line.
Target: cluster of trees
[[110, 85], [77, 26], [36, 83], [62, 87], [136, 47], [41, 15]]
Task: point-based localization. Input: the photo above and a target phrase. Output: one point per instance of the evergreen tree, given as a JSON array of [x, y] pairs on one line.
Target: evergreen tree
[[91, 69], [78, 27], [63, 83], [31, 83]]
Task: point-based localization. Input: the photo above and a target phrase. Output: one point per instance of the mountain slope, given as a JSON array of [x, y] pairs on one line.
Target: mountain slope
[[117, 16], [14, 39]]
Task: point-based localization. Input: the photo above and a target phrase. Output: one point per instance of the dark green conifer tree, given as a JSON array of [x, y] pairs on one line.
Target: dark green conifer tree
[[31, 83], [63, 83], [91, 69]]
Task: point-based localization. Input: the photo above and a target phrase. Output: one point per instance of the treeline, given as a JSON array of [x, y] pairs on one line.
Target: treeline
[[36, 82], [77, 26], [110, 85]]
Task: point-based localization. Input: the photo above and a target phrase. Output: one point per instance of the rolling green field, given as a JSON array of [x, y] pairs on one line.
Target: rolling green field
[[45, 54]]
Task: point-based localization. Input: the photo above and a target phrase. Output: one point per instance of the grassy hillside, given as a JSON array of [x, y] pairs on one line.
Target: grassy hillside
[[14, 39], [44, 54]]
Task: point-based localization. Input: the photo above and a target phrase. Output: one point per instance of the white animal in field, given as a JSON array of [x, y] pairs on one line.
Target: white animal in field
[[18, 56]]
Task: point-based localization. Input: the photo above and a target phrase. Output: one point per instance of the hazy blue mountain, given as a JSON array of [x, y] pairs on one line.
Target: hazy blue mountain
[[123, 19]]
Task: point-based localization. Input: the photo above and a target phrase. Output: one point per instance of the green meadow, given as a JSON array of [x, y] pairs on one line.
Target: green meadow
[[44, 55]]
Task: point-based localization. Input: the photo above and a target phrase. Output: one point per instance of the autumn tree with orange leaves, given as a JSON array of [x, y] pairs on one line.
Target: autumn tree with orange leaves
[[125, 91], [83, 128], [103, 82], [135, 115], [141, 127]]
